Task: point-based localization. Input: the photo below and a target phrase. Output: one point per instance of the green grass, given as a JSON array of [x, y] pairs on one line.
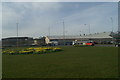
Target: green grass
[[72, 62]]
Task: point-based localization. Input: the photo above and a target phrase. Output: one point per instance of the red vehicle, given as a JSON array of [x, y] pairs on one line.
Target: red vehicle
[[89, 43]]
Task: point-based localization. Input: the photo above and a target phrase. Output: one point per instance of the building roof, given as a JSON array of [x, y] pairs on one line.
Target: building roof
[[17, 38], [96, 35], [99, 35], [115, 34]]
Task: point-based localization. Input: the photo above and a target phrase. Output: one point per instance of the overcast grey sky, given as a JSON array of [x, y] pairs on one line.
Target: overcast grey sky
[[36, 17]]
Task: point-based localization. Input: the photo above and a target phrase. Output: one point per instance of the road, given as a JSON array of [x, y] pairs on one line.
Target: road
[[106, 45]]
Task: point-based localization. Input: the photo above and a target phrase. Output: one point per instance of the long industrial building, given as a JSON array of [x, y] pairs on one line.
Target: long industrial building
[[100, 38]]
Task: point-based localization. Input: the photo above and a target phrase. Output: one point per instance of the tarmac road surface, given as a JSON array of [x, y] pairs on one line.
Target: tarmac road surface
[[106, 45]]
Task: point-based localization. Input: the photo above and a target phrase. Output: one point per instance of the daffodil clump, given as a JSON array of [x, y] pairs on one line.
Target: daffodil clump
[[32, 50]]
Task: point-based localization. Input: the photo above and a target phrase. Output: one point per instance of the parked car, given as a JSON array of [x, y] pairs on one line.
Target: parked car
[[90, 43]]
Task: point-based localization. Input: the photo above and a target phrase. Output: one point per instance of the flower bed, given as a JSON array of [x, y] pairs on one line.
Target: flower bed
[[37, 50]]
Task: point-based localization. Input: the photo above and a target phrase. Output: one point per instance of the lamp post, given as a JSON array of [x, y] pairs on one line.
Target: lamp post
[[17, 32], [63, 29], [88, 29], [112, 27], [81, 32], [112, 23], [49, 30], [63, 32]]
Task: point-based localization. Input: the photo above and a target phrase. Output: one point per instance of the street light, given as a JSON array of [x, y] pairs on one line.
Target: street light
[[112, 23], [49, 30], [17, 32], [81, 32], [63, 32], [88, 27]]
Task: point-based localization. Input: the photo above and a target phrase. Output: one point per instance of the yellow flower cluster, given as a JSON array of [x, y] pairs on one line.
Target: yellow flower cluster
[[33, 50]]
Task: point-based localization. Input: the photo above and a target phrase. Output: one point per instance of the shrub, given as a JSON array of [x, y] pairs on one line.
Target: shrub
[[37, 50]]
